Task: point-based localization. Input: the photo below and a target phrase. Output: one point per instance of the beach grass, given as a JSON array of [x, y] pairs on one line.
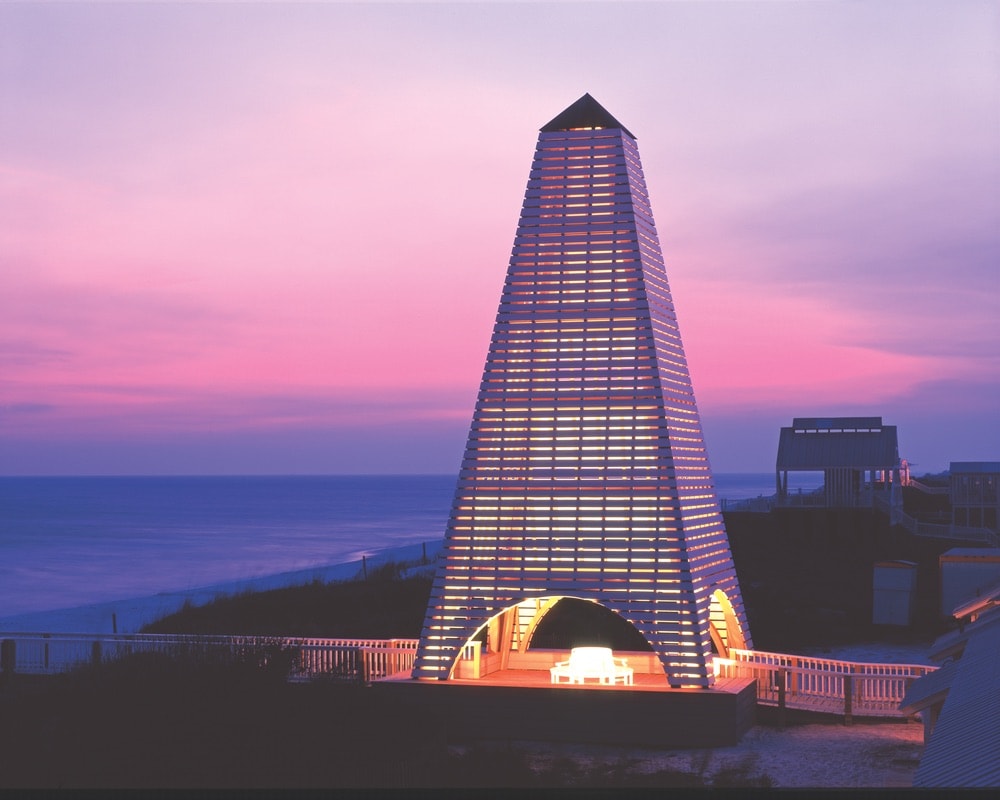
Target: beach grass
[[385, 605], [151, 721], [203, 721], [200, 719]]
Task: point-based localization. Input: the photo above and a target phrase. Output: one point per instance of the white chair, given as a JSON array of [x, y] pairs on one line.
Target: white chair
[[596, 663]]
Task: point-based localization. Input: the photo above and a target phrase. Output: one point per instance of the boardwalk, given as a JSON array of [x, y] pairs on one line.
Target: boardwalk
[[826, 686], [822, 685]]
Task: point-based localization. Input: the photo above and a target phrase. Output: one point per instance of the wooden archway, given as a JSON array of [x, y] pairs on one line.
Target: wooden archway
[[724, 626], [512, 630]]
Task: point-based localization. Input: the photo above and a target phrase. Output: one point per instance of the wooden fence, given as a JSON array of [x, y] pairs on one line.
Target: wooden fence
[[783, 680], [824, 685], [356, 659]]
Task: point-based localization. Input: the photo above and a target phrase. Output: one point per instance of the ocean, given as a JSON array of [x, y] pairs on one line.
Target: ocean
[[73, 541]]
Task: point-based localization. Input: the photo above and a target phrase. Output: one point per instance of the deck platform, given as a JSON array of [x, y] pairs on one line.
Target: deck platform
[[525, 705]]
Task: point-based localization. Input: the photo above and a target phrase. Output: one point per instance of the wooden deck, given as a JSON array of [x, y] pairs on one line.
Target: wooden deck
[[642, 682], [780, 681], [525, 705]]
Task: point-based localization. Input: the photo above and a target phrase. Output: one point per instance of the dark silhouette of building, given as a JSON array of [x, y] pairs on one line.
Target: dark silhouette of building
[[858, 456]]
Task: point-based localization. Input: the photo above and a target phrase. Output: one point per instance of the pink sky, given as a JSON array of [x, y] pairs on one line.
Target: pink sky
[[271, 238]]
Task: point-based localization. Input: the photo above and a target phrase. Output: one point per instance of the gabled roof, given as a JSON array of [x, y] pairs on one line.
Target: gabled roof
[[584, 113], [928, 689], [817, 444]]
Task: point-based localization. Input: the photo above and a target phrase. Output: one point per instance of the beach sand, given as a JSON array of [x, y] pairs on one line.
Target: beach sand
[[834, 755]]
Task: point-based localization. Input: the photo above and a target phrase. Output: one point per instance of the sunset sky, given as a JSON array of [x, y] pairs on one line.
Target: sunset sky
[[270, 238]]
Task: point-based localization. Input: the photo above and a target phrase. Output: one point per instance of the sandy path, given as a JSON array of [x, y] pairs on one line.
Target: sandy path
[[829, 756]]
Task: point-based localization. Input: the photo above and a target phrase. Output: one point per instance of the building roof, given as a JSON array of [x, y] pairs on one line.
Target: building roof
[[966, 553], [976, 467], [962, 750], [837, 423], [813, 443], [982, 600], [928, 689], [584, 113], [950, 644]]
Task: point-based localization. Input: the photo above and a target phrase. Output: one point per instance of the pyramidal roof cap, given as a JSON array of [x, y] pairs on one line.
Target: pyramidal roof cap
[[585, 113]]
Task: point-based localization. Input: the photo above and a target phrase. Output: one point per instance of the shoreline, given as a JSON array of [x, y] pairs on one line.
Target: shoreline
[[131, 614]]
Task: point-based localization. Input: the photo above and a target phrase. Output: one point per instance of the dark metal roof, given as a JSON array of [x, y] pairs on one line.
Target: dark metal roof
[[983, 599], [962, 750], [928, 690], [950, 644], [584, 113], [965, 553], [975, 467], [813, 443]]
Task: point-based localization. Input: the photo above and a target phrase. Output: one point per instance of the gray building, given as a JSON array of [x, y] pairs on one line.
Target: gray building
[[960, 702], [858, 456], [975, 501]]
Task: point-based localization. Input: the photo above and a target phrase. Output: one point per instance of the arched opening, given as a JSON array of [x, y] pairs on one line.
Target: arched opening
[[534, 634], [724, 626], [576, 623]]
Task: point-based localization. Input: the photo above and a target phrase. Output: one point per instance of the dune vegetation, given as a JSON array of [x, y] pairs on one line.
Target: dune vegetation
[[386, 605]]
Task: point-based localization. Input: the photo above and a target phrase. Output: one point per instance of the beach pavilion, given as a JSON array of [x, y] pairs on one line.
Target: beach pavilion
[[858, 457], [585, 476]]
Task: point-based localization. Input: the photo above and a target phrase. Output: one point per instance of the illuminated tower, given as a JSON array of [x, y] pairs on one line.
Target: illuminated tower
[[585, 473]]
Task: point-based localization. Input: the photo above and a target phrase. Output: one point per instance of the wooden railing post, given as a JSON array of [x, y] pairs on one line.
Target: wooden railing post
[[95, 652], [848, 698], [363, 656], [907, 682], [781, 698], [8, 658]]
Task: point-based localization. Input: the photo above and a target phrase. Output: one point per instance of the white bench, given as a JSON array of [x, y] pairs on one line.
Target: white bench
[[597, 663]]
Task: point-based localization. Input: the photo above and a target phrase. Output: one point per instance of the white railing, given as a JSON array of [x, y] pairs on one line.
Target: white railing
[[393, 657], [362, 659], [365, 659], [788, 681], [944, 531], [822, 684]]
